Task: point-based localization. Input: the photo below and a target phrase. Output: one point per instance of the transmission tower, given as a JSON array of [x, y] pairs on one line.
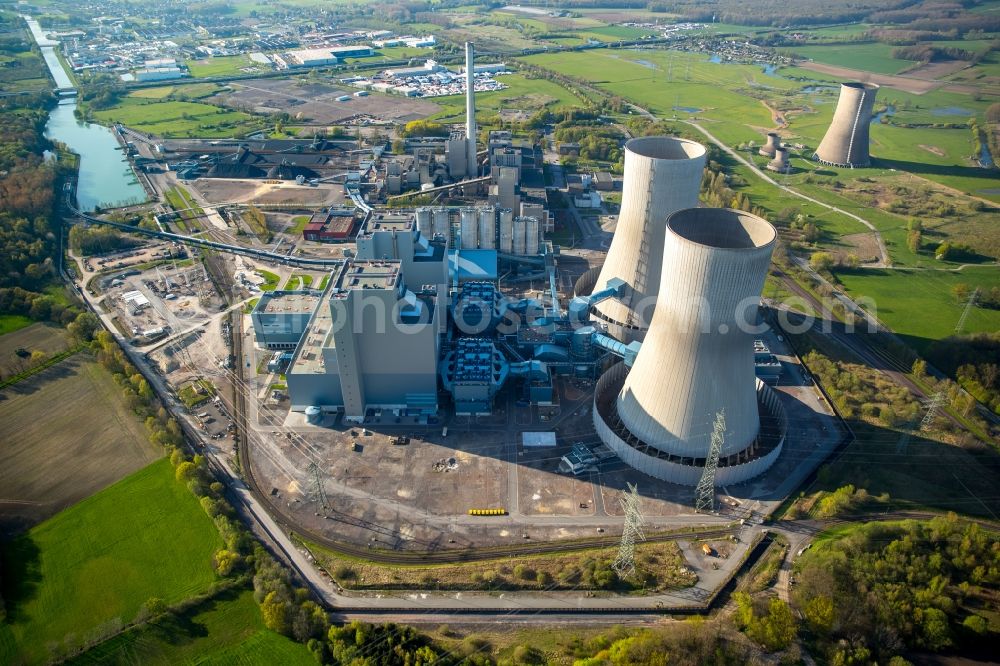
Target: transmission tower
[[624, 564], [937, 400], [704, 494], [966, 311], [318, 491]]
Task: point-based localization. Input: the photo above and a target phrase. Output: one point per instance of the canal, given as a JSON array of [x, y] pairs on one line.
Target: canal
[[105, 177]]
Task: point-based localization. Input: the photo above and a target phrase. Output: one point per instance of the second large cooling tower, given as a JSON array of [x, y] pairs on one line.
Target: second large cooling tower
[[846, 142], [662, 175], [697, 357]]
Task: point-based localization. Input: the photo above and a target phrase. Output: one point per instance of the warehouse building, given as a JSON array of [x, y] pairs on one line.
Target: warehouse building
[[280, 317]]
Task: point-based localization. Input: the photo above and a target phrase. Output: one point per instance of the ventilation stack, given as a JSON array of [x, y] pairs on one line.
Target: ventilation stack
[[846, 142], [662, 175], [697, 357], [773, 142]]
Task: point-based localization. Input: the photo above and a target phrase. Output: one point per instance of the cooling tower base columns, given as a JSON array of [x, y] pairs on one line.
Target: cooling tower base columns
[[642, 456]]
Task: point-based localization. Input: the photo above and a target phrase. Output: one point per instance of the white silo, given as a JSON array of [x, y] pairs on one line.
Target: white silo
[[423, 215], [531, 236], [662, 174], [469, 228], [506, 230], [520, 225], [487, 228], [697, 357], [442, 223]]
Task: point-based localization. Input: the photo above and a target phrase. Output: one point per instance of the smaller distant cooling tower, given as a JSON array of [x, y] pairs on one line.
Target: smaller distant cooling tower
[[773, 141], [846, 142], [662, 175], [780, 161], [697, 358]]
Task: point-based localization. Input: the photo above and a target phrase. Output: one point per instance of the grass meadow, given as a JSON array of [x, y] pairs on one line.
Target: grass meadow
[[100, 560], [870, 57], [522, 94], [176, 119], [224, 630], [919, 304]]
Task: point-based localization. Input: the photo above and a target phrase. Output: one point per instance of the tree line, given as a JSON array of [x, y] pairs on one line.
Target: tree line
[[887, 588]]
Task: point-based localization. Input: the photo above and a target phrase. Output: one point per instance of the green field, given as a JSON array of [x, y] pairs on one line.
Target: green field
[[870, 57], [177, 119], [10, 323], [223, 66], [919, 305], [224, 630], [100, 560], [270, 280], [522, 94]]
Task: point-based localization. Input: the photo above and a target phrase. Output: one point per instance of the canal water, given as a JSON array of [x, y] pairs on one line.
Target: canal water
[[106, 178]]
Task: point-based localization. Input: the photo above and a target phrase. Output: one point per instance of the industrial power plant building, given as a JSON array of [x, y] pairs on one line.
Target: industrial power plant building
[[846, 142], [371, 344], [417, 322]]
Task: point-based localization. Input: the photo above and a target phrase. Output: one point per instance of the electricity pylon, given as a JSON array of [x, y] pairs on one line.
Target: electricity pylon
[[704, 494], [624, 564]]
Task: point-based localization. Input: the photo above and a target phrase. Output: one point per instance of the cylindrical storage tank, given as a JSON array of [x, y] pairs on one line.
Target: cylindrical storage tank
[[423, 215], [662, 175], [520, 224], [846, 142], [470, 229], [442, 226], [773, 141], [313, 414], [506, 230], [697, 357], [487, 228], [581, 343], [532, 238]]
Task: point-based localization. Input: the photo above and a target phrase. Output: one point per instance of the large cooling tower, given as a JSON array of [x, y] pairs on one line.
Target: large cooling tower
[[697, 357], [846, 142], [662, 175]]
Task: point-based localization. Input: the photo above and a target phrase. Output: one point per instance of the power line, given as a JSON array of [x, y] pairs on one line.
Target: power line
[[965, 313]]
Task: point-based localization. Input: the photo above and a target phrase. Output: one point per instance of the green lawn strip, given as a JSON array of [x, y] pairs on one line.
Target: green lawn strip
[[11, 322], [270, 280], [226, 629], [48, 363], [299, 223], [191, 397], [100, 560]]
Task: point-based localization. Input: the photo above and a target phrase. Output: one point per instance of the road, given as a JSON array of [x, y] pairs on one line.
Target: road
[[884, 258]]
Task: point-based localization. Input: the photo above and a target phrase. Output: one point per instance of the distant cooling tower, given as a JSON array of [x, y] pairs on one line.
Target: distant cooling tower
[[773, 141], [846, 142], [697, 357], [662, 175], [780, 162]]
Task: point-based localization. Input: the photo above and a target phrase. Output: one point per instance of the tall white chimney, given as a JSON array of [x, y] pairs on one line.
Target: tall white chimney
[[470, 110]]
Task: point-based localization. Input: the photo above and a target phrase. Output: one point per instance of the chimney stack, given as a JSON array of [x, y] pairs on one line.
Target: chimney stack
[[470, 110]]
